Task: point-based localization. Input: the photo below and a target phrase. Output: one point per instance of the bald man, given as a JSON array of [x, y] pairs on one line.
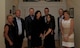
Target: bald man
[[19, 29]]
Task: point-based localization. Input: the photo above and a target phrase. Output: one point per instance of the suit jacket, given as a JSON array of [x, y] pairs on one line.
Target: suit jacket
[[28, 25], [16, 28], [58, 25]]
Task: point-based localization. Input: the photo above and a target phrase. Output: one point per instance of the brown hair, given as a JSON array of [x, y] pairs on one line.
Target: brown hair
[[61, 9], [31, 8], [47, 8], [66, 12]]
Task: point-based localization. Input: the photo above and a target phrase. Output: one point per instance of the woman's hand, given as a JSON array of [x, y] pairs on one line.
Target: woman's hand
[[29, 37], [11, 43], [52, 32], [41, 35], [44, 36], [66, 39]]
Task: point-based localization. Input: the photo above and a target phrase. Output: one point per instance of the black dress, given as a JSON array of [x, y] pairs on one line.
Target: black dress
[[37, 29], [49, 39], [11, 36]]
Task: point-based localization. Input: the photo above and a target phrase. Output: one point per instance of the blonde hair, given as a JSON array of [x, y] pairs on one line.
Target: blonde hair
[[8, 16]]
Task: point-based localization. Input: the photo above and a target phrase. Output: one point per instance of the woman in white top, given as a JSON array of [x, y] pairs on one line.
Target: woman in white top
[[67, 27]]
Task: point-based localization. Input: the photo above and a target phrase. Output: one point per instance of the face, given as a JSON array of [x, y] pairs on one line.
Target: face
[[46, 11], [38, 15], [31, 11], [48, 18], [66, 15], [60, 12], [10, 19], [18, 13]]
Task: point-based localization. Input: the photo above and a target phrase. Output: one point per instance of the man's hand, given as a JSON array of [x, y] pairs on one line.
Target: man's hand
[[29, 37]]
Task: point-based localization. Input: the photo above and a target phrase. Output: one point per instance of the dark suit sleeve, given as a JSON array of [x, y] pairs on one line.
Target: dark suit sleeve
[[26, 26], [58, 24], [53, 22], [23, 26], [15, 26], [43, 25]]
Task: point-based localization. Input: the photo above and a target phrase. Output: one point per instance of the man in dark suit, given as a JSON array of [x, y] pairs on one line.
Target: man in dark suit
[[46, 11], [19, 29], [28, 21], [59, 22]]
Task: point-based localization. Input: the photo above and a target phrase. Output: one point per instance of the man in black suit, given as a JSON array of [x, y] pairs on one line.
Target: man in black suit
[[19, 29], [59, 22], [28, 21], [46, 11]]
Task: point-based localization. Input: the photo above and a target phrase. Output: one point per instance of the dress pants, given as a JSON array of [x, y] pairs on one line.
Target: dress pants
[[60, 39], [18, 42]]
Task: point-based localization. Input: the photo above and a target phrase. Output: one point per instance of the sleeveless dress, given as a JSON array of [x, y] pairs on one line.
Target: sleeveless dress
[[49, 41], [66, 30], [11, 36]]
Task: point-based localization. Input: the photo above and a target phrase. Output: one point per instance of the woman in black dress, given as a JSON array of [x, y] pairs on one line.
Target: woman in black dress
[[49, 33], [8, 32], [37, 30]]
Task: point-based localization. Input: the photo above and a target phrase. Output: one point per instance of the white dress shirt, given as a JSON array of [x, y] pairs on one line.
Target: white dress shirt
[[19, 25]]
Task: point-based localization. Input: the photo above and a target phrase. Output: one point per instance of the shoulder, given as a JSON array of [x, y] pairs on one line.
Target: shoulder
[[43, 16], [6, 26], [14, 19], [22, 19], [62, 20], [72, 20], [27, 17], [52, 16], [58, 17]]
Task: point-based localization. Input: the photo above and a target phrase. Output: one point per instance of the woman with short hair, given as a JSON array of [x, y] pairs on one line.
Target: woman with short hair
[[9, 32], [67, 30]]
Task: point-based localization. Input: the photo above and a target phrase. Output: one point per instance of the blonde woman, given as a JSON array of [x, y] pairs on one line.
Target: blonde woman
[[67, 27], [8, 32]]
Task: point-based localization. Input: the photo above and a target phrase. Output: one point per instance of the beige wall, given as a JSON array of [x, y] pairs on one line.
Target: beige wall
[[9, 4], [2, 22], [16, 3], [76, 5], [6, 5], [70, 3]]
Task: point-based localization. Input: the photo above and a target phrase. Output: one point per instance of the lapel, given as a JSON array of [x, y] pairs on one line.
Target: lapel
[[15, 22]]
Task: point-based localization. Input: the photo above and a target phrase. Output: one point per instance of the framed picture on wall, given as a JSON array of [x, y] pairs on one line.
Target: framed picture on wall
[[13, 9], [71, 10]]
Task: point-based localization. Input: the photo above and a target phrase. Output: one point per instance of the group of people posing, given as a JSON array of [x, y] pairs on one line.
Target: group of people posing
[[39, 29]]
